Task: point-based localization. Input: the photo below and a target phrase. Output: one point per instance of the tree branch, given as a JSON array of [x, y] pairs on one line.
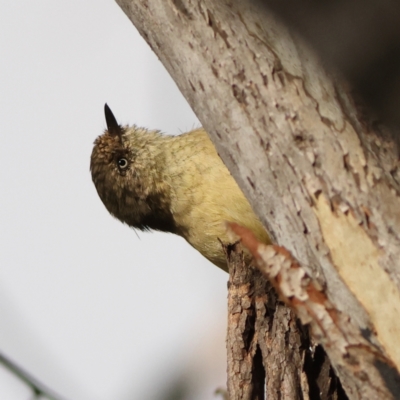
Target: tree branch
[[38, 388]]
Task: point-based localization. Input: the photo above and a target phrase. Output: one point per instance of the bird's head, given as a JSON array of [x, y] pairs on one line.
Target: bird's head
[[126, 165]]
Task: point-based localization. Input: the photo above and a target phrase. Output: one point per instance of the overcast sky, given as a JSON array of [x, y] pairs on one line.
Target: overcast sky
[[86, 305]]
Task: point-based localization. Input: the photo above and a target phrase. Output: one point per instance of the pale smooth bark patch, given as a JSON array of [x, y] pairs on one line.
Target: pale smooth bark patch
[[356, 258]]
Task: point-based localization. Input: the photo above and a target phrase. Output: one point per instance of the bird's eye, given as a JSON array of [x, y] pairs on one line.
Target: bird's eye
[[122, 163]]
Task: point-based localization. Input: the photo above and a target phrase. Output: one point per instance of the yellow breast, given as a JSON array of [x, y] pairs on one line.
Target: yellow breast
[[204, 196]]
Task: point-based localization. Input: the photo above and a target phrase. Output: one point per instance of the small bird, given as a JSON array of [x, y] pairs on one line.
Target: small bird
[[174, 184]]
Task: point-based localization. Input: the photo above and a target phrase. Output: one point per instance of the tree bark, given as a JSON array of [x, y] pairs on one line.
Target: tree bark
[[360, 39], [322, 178], [268, 349]]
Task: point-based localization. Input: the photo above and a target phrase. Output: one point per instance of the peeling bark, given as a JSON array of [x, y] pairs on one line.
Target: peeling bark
[[352, 356], [323, 179], [267, 346]]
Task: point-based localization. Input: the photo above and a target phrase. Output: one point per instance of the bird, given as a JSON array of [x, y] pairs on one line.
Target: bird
[[177, 184]]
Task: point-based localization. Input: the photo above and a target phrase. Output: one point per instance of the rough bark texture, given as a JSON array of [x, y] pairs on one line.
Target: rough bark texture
[[359, 38], [354, 357], [323, 180], [269, 353]]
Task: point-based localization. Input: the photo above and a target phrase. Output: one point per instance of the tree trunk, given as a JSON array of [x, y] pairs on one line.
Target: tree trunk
[[360, 38], [267, 346], [324, 181]]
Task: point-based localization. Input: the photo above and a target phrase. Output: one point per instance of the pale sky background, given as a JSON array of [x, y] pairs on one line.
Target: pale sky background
[[86, 306]]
